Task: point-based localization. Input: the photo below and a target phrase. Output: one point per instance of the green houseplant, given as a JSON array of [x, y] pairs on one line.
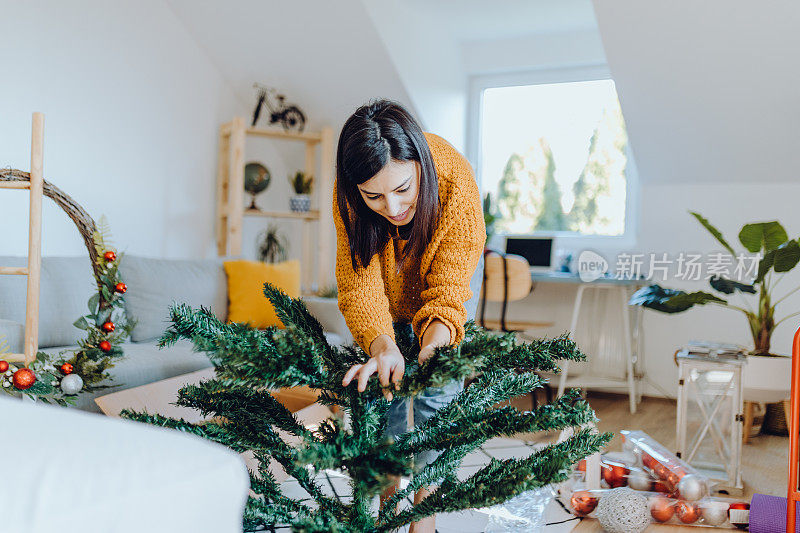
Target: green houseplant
[[272, 245], [778, 255], [301, 183]]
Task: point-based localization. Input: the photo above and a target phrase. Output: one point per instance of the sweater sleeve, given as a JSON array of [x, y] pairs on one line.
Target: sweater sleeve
[[362, 295], [452, 267]]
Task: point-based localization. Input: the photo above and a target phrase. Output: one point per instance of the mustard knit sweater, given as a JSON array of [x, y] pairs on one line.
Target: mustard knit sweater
[[433, 286]]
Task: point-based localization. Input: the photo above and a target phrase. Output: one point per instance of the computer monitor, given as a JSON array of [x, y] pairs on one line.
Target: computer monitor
[[537, 250]]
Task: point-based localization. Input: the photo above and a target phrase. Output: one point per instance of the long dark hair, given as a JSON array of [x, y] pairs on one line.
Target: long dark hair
[[377, 131]]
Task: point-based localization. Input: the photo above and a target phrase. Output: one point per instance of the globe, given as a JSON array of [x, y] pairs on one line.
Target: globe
[[256, 179]]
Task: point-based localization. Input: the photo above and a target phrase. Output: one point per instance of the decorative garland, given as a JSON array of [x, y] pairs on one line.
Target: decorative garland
[[58, 378]]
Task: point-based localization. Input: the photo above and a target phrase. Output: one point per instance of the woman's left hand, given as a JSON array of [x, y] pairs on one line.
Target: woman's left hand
[[437, 334], [425, 353]]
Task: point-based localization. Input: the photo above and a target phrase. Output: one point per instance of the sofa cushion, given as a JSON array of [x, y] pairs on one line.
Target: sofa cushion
[[65, 287], [246, 279], [154, 284]]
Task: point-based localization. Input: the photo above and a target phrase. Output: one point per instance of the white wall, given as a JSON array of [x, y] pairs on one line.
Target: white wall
[[131, 110], [133, 95], [708, 88], [429, 64]]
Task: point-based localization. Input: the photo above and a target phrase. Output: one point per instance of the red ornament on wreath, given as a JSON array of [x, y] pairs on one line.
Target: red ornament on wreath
[[110, 256], [105, 346], [66, 369], [120, 288], [3, 366], [24, 378], [108, 327]]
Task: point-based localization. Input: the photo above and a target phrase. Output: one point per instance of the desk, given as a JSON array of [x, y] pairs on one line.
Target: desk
[[628, 337]]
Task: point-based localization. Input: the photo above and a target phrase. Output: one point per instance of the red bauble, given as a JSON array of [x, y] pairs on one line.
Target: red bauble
[[583, 502], [110, 256], [24, 378], [660, 471], [105, 346], [3, 366], [661, 508], [672, 479], [108, 327], [120, 288], [687, 512], [660, 486], [648, 461], [581, 466], [616, 475], [66, 369]]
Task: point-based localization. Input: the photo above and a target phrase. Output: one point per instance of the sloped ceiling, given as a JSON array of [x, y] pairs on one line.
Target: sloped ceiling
[[432, 44], [325, 56], [709, 89]]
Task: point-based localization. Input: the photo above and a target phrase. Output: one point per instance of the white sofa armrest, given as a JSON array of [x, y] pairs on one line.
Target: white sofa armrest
[[74, 472], [13, 333], [326, 310]]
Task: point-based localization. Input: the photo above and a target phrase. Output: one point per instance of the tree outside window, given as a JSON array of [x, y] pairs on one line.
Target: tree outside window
[[554, 158]]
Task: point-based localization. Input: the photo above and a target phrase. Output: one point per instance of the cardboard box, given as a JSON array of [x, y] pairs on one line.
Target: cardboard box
[[160, 397]]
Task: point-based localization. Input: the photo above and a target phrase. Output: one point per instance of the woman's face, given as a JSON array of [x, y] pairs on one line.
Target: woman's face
[[392, 192]]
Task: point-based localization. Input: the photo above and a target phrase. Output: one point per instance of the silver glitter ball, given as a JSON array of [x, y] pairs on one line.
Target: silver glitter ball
[[639, 480], [71, 384], [691, 487], [715, 513]]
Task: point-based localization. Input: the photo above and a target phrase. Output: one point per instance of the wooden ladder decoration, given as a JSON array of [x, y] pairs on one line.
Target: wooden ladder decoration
[[34, 268]]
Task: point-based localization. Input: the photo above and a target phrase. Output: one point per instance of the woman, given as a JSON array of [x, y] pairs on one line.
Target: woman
[[406, 251]]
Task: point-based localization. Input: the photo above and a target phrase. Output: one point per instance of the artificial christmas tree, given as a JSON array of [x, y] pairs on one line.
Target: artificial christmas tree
[[246, 417]]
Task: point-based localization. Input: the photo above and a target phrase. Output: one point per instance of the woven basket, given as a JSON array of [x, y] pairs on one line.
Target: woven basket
[[775, 420]]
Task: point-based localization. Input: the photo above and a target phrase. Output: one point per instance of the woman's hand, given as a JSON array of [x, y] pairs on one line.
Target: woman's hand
[[437, 334], [386, 360]]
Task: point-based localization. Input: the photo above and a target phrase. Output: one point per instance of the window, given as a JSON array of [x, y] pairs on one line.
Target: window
[[553, 155]]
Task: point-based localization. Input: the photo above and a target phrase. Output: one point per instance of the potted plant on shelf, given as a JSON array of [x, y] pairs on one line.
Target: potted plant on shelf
[[301, 183], [271, 245], [778, 255]]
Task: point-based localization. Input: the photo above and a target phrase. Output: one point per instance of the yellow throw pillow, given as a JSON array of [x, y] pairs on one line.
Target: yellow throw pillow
[[246, 300]]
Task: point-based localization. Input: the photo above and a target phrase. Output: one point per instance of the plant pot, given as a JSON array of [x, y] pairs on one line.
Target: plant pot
[[300, 203]]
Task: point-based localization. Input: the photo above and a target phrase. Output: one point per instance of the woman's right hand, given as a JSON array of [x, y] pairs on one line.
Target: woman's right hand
[[386, 360]]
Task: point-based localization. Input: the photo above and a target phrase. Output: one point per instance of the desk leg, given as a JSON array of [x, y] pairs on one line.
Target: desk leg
[[576, 310], [626, 341]]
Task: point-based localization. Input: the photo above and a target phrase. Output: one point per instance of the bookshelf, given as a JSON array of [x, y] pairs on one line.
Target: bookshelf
[[230, 208]]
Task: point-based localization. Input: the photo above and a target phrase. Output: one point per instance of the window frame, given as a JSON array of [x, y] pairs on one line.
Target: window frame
[[592, 72]]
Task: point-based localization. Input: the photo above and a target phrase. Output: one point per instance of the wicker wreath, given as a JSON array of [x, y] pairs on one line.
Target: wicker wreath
[[97, 352]]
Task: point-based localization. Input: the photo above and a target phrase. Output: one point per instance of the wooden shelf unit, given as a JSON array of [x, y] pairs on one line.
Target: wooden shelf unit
[[230, 196]]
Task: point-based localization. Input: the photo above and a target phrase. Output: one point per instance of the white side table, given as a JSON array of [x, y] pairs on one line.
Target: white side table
[[710, 406]]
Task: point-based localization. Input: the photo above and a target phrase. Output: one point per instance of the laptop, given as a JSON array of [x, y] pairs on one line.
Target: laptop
[[537, 250]]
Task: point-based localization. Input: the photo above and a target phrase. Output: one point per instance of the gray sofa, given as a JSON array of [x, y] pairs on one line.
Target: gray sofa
[[153, 284]]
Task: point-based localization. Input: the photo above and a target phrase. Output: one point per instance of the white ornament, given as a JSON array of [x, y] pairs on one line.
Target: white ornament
[[6, 384], [71, 384], [715, 513], [691, 487], [639, 479], [623, 510]]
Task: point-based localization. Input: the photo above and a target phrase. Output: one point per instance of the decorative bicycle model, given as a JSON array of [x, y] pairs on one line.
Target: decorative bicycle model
[[289, 116]]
